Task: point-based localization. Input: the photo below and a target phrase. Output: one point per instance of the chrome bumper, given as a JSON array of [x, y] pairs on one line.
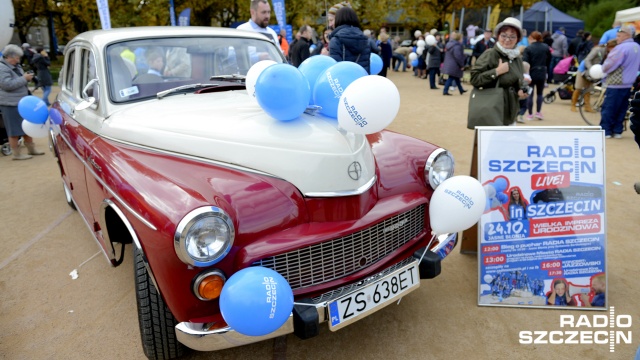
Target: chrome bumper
[[197, 336]]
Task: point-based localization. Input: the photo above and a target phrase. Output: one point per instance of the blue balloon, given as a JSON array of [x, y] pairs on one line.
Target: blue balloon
[[256, 301], [282, 92], [414, 62], [312, 67], [331, 84], [375, 64], [500, 184], [33, 109], [502, 197], [55, 116]]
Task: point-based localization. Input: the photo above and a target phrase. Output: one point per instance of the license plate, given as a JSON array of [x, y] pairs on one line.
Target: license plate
[[373, 297]]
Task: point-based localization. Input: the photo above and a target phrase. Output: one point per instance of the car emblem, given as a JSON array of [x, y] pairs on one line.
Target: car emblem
[[362, 262], [355, 170]]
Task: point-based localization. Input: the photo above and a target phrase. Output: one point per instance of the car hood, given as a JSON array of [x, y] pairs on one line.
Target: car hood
[[230, 127]]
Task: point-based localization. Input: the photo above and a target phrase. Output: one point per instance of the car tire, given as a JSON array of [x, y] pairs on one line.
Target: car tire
[[157, 323], [68, 197]]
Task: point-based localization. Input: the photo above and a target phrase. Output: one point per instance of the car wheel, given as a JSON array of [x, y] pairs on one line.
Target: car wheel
[[157, 323]]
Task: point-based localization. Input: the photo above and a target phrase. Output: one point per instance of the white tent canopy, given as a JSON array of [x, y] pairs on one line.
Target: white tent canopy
[[629, 15]]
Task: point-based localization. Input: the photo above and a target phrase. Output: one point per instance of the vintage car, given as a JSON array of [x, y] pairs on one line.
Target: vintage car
[[178, 161]]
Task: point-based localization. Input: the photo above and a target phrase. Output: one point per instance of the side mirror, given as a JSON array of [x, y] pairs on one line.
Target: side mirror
[[85, 103]]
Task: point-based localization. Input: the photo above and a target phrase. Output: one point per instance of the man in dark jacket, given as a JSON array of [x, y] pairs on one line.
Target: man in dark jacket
[[481, 46], [348, 43], [575, 42], [299, 52]]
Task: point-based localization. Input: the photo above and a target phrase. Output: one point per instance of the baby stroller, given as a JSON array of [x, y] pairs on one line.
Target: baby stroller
[[565, 73]]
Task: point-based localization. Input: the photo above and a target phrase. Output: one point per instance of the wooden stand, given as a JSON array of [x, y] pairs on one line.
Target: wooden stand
[[469, 242]]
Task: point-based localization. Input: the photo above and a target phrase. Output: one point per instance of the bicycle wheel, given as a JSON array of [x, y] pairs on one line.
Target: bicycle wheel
[[590, 102]]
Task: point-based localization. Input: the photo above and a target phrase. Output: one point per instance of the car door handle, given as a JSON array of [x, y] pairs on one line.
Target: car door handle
[[93, 163]]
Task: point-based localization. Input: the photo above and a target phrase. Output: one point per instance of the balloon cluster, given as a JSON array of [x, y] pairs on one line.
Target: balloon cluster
[[256, 301], [456, 205], [495, 193], [362, 103], [37, 118]]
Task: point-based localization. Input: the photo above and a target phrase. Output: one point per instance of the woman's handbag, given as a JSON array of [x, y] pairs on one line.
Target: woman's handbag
[[486, 107]]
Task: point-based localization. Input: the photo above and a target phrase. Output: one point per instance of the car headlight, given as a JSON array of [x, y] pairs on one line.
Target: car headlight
[[439, 167], [204, 236]]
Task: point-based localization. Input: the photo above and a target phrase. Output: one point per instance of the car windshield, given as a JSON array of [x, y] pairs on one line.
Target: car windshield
[[139, 69]]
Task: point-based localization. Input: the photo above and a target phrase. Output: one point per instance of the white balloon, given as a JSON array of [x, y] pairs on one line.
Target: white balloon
[[368, 105], [488, 278], [413, 56], [253, 74], [417, 33], [421, 43], [420, 50], [431, 40], [456, 204], [7, 21], [595, 71], [35, 130]]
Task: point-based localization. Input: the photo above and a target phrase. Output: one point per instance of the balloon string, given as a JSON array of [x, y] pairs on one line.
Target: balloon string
[[427, 248]]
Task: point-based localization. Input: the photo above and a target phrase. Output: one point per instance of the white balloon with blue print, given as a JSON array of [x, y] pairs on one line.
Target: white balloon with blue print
[[368, 105], [456, 205]]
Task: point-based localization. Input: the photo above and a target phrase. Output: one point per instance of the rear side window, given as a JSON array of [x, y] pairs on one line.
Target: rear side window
[[69, 70]]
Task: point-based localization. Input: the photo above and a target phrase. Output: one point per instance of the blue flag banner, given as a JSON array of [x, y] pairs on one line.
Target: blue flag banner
[[103, 10], [278, 9], [172, 13], [185, 17]]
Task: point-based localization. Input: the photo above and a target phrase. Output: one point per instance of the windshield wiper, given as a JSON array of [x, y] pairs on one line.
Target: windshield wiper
[[237, 77], [164, 93]]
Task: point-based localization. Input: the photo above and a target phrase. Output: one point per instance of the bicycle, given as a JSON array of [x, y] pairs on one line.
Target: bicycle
[[594, 96]]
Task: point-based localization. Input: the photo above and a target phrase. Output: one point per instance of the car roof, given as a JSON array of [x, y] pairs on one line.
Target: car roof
[[101, 38]]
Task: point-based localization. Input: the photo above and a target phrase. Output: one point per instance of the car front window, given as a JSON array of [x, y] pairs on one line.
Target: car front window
[[139, 69]]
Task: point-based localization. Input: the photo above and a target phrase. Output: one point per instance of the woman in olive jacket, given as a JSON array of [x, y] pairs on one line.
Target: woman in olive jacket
[[502, 66]]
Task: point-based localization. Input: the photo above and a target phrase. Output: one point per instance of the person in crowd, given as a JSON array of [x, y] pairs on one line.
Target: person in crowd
[[572, 49], [583, 80], [434, 51], [282, 40], [13, 87], [481, 46], [546, 38], [471, 32], [402, 54], [454, 63], [331, 14], [559, 52], [585, 46], [599, 288], [28, 52], [523, 102], [348, 43], [621, 69], [373, 44], [421, 69], [502, 66], [559, 295], [385, 53], [259, 22], [322, 47], [40, 64], [299, 52], [611, 33], [538, 55], [525, 40]]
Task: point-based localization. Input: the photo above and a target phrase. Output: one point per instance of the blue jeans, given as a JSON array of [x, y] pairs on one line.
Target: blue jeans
[[450, 82], [614, 108], [46, 90], [554, 61], [432, 77], [400, 59]]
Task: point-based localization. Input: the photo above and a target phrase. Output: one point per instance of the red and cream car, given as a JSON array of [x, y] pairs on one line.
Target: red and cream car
[[180, 163]]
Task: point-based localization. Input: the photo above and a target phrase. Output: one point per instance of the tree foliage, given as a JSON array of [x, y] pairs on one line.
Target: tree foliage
[[71, 17]]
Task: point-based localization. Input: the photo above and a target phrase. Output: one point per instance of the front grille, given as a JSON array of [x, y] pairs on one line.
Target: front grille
[[333, 259]]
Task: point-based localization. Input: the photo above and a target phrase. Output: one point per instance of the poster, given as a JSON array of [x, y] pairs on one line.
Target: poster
[[542, 237]]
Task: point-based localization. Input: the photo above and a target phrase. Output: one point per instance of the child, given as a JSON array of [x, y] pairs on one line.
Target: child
[[523, 102], [599, 286], [559, 294]]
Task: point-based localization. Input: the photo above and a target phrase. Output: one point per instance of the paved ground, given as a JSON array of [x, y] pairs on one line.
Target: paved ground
[[44, 314]]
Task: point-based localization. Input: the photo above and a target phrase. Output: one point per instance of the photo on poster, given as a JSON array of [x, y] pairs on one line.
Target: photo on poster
[[542, 236]]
